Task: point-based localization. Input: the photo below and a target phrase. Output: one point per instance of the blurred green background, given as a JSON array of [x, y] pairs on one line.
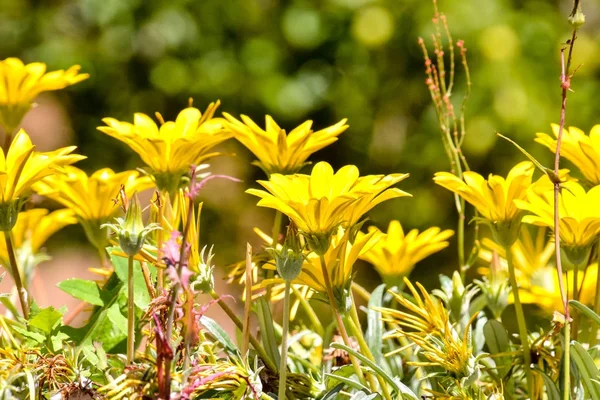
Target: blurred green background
[[308, 59]]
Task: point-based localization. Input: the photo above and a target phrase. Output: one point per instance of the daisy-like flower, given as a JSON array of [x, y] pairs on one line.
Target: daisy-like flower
[[33, 228], [277, 152], [395, 254], [429, 328], [493, 198], [578, 211], [321, 202], [536, 273], [21, 83], [577, 147], [170, 150], [22, 167], [91, 197]]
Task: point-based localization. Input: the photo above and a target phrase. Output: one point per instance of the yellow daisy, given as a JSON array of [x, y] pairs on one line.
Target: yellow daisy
[[577, 147], [33, 228], [20, 84], [493, 198], [277, 152], [170, 150], [321, 202], [395, 254], [91, 197], [578, 210]]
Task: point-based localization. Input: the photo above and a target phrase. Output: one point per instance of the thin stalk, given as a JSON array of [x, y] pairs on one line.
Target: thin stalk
[[567, 362], [257, 346], [354, 324], [594, 330], [310, 312], [575, 297], [248, 304], [148, 280], [520, 319], [130, 313], [275, 237], [17, 275], [284, 338], [338, 319]]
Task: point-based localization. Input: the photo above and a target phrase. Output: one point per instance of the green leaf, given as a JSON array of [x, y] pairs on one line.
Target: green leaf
[[219, 334], [551, 389], [265, 320], [585, 310], [36, 337], [82, 289], [141, 296], [348, 381], [375, 324], [496, 337], [586, 368], [531, 158], [332, 394], [46, 319], [5, 300]]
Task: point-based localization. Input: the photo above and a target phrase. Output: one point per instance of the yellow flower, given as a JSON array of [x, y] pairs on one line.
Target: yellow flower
[[493, 198], [428, 324], [577, 147], [277, 152], [321, 202], [91, 197], [21, 168], [20, 84], [32, 230], [395, 254], [578, 210], [537, 276], [170, 150], [339, 260]]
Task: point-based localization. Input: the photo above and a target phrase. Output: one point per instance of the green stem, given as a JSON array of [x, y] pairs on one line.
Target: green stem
[[284, 338], [231, 314], [275, 237], [17, 274], [338, 319], [520, 320], [594, 330], [354, 325], [130, 314], [567, 362], [575, 297]]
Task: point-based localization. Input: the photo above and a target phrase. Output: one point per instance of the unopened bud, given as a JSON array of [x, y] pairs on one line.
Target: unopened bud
[[290, 258], [577, 17]]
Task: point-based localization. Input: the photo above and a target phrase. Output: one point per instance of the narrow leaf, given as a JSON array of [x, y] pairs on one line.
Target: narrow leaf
[[375, 324], [267, 329], [219, 334], [586, 368], [585, 310]]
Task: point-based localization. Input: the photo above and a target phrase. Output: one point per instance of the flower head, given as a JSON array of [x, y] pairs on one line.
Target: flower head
[[32, 230], [493, 198], [20, 84], [321, 202], [577, 147], [21, 167], [277, 152], [170, 150], [395, 254], [578, 211], [536, 273], [91, 197]]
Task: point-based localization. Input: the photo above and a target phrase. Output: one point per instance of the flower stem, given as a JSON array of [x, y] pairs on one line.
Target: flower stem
[[17, 275], [275, 238], [338, 318], [575, 297], [284, 337], [520, 320], [130, 313], [567, 362], [594, 330], [354, 325], [231, 314]]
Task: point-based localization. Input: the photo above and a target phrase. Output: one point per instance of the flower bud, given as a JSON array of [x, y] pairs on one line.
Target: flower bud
[[9, 212], [577, 17], [131, 230], [290, 258]]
